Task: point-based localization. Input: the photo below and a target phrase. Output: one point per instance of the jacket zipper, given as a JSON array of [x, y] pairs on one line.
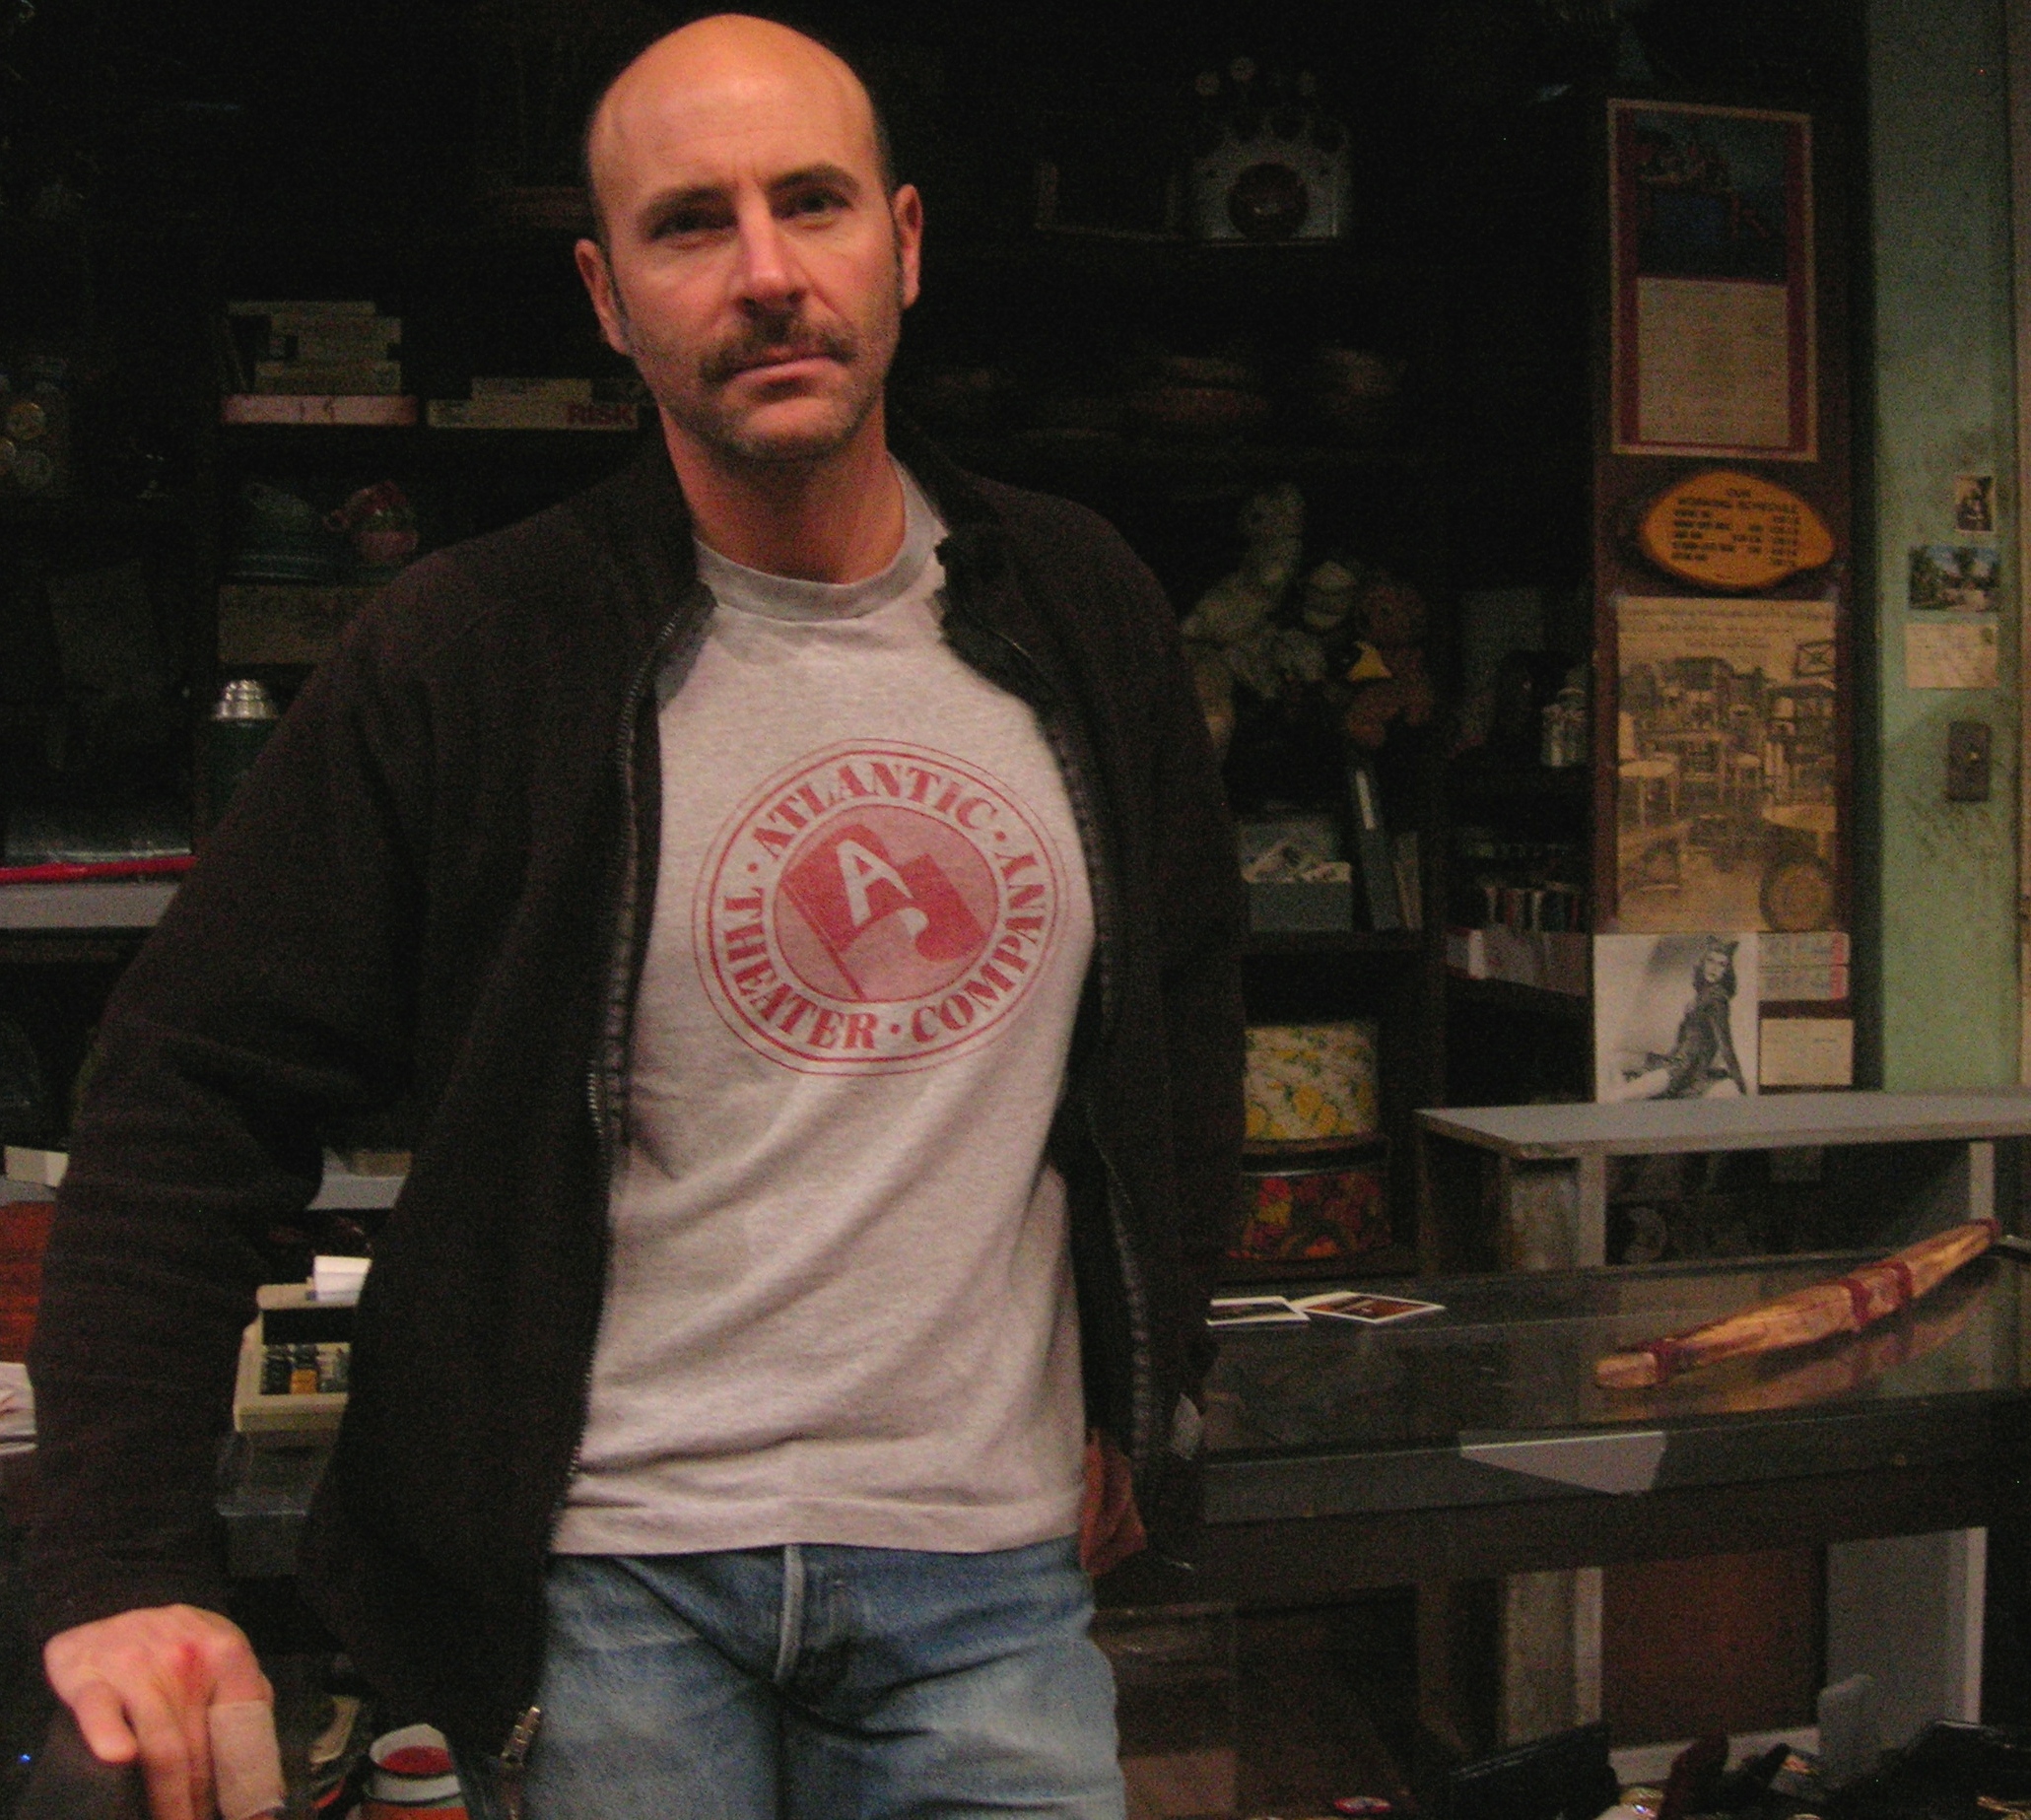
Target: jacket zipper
[[608, 1065], [1143, 1434], [1065, 747], [604, 1063], [515, 1761]]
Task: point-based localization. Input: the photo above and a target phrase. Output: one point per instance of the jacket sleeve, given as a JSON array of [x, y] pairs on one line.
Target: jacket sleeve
[[1203, 925], [275, 994]]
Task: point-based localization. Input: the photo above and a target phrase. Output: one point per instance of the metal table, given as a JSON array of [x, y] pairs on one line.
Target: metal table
[[1537, 1177]]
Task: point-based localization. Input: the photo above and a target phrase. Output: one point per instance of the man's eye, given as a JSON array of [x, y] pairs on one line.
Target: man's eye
[[690, 224], [815, 203]]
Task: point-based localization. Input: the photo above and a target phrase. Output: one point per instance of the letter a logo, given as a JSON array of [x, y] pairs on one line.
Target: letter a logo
[[846, 885], [860, 869]]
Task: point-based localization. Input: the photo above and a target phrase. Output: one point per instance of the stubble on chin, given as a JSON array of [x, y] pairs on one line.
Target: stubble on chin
[[743, 434]]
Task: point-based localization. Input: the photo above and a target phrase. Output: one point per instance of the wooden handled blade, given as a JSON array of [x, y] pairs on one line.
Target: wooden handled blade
[[1846, 1305]]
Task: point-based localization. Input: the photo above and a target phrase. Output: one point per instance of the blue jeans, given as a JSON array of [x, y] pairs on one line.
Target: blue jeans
[[821, 1683]]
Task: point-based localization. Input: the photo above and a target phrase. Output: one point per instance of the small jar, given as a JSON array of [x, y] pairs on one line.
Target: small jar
[[1564, 737]]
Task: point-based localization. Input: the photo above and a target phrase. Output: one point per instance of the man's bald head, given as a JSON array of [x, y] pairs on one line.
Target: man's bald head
[[726, 44], [754, 262]]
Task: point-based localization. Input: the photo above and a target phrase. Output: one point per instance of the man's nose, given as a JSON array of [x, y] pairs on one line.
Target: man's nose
[[769, 276]]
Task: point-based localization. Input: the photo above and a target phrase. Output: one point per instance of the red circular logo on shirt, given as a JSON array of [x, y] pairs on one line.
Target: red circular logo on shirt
[[874, 907]]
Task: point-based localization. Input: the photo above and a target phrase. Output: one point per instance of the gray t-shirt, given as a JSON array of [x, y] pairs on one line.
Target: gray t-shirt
[[840, 1305]]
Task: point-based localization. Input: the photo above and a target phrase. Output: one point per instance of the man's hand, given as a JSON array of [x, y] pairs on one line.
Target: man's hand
[[1110, 1525], [141, 1684]]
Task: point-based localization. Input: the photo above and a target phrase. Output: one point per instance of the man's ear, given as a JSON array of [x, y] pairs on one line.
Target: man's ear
[[905, 209], [606, 302]]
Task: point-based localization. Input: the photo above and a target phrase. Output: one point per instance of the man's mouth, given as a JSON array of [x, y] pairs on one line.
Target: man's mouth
[[794, 357], [752, 356]]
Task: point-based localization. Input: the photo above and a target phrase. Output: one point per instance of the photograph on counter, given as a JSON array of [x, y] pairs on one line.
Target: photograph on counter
[[1727, 809], [1228, 1312], [1954, 579], [1359, 1306], [1675, 1016], [1711, 237]]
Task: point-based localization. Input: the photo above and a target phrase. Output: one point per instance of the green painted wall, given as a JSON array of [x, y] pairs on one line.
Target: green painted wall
[[1944, 874]]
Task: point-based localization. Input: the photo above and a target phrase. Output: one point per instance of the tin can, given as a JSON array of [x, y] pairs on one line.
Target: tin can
[[1317, 1212], [412, 1778], [1312, 1083]]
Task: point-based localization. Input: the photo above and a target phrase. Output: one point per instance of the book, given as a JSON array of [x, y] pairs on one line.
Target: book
[[1549, 959], [1375, 864], [532, 385], [333, 338], [301, 307], [385, 411], [42, 1169], [83, 871], [537, 411], [1404, 848], [355, 378], [1356, 1305]]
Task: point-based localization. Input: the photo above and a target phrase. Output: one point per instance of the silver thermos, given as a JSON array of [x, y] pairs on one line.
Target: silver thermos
[[242, 720]]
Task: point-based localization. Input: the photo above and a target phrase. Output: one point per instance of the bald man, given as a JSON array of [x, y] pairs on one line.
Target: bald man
[[787, 890]]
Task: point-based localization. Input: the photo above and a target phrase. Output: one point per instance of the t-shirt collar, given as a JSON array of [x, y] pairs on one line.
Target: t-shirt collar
[[789, 597]]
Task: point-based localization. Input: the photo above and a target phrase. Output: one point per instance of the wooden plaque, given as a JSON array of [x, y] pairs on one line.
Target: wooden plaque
[[1733, 533]]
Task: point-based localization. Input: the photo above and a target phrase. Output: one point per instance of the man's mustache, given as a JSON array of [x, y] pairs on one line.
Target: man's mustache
[[766, 343]]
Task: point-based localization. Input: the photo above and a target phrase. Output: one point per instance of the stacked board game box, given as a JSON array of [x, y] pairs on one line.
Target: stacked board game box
[[315, 361]]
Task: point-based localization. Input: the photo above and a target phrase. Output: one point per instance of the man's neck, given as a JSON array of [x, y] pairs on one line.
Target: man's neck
[[839, 518]]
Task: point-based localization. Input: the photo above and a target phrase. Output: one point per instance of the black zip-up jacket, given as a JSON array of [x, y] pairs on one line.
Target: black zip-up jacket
[[434, 894]]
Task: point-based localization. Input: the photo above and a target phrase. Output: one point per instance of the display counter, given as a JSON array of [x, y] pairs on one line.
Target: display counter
[[1474, 1440]]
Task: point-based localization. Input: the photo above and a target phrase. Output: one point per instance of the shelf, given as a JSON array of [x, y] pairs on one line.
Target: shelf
[[1175, 260], [34, 1174], [115, 904], [101, 511], [1767, 1121], [1184, 465], [1525, 1000], [1405, 942], [415, 444], [1472, 783]]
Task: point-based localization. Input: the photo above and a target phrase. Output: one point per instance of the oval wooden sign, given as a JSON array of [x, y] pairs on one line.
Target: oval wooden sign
[[1732, 531]]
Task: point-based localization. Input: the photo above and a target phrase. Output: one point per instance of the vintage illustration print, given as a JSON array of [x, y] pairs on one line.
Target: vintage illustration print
[[1726, 810]]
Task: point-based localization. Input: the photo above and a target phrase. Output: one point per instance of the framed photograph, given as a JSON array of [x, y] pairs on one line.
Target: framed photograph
[[1675, 1016], [1727, 802], [1711, 341]]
